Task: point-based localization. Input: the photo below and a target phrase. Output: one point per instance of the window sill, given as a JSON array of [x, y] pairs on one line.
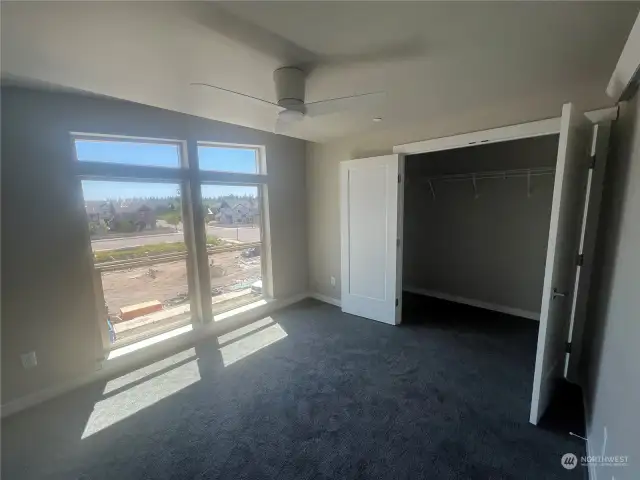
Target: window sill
[[195, 332]]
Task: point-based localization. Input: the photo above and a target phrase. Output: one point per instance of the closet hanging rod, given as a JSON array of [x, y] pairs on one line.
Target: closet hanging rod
[[524, 172]]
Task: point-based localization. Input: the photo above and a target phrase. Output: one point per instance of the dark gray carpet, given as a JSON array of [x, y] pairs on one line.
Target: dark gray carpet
[[445, 396]]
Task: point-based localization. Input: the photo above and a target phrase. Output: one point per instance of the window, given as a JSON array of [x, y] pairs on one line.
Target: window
[[228, 159], [150, 265], [140, 257], [156, 154], [233, 226]]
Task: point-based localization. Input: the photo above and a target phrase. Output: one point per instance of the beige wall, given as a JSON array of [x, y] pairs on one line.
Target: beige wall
[[612, 332], [323, 166], [47, 299]]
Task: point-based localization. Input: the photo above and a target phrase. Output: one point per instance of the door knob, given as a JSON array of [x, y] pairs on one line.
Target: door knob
[[557, 293]]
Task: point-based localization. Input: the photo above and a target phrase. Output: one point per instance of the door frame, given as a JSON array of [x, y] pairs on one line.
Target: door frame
[[495, 135], [589, 231], [549, 126]]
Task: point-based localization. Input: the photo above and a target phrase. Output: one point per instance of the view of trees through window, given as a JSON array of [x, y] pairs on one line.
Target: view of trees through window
[[140, 256], [233, 217]]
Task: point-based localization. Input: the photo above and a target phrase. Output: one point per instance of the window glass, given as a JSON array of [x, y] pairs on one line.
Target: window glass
[[140, 257], [226, 159], [232, 215], [128, 153]]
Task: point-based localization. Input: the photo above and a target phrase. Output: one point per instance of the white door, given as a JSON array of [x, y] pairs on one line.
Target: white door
[[591, 217], [371, 228], [574, 148]]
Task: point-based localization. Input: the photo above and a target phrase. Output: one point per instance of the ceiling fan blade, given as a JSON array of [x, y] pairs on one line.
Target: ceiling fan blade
[[409, 49], [335, 105], [223, 20], [197, 84]]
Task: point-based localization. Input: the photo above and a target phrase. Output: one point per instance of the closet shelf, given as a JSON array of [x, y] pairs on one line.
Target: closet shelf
[[523, 172]]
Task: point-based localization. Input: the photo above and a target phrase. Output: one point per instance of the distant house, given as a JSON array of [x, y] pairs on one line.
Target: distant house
[[241, 213], [136, 216], [99, 215]]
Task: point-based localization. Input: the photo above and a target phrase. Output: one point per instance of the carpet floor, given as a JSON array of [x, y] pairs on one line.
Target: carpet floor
[[309, 393]]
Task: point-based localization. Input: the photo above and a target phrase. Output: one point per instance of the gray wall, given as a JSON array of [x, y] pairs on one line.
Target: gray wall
[[47, 297], [490, 249], [612, 332]]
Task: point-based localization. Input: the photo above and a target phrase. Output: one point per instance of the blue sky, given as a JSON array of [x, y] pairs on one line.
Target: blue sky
[[162, 155]]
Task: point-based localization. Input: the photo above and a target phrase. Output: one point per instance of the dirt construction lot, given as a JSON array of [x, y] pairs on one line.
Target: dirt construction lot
[[167, 282]]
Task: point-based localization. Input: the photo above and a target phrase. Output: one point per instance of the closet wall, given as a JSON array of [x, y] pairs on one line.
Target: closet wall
[[489, 248]]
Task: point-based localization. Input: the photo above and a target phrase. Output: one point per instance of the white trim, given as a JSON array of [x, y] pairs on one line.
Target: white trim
[[591, 468], [106, 137], [628, 67], [608, 114], [512, 132], [135, 359], [326, 299], [517, 312], [550, 126]]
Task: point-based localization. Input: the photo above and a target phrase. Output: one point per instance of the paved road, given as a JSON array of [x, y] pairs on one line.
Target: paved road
[[242, 234]]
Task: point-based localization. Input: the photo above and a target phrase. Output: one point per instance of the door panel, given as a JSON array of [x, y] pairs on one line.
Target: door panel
[[369, 206], [562, 250], [589, 231]]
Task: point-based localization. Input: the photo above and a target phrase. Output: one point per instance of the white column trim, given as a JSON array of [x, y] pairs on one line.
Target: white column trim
[[627, 71]]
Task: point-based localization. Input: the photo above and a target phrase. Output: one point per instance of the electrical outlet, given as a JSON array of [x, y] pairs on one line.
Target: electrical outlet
[[29, 360], [333, 281]]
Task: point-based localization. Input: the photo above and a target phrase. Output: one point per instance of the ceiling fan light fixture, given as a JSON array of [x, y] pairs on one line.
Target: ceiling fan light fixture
[[290, 116]]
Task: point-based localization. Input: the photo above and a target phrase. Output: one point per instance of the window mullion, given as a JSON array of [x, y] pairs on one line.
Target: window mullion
[[114, 171], [198, 244], [232, 178]]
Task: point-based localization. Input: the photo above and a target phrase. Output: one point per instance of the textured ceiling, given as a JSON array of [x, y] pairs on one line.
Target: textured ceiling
[[432, 60]]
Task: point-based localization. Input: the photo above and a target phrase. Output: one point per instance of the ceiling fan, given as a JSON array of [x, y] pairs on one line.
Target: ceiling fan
[[290, 88]]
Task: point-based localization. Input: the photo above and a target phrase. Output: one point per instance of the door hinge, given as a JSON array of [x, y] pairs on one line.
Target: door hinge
[[398, 242], [592, 165], [399, 178], [397, 302], [580, 260], [567, 347]]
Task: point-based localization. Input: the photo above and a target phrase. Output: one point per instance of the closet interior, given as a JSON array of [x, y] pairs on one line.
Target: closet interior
[[476, 224]]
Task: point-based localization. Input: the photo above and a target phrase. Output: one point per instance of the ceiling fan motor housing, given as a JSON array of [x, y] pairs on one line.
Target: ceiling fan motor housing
[[289, 87]]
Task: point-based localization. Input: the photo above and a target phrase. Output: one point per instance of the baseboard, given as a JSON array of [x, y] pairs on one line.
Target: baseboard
[[591, 468], [326, 299], [137, 359], [517, 312]]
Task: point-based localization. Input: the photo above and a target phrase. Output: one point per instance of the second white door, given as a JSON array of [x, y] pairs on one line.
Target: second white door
[[371, 228], [562, 249]]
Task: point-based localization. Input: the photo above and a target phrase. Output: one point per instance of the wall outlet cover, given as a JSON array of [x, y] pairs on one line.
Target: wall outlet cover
[[29, 360]]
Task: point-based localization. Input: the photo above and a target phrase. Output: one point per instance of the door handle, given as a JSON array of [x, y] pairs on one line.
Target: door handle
[[557, 293]]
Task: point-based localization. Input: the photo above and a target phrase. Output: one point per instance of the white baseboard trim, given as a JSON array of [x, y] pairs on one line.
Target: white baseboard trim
[[138, 358], [326, 299], [517, 312], [591, 468]]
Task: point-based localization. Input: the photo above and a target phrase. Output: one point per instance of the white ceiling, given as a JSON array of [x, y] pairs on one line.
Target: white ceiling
[[433, 60]]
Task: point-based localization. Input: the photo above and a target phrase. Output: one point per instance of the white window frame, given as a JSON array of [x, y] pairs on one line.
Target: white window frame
[[190, 178]]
